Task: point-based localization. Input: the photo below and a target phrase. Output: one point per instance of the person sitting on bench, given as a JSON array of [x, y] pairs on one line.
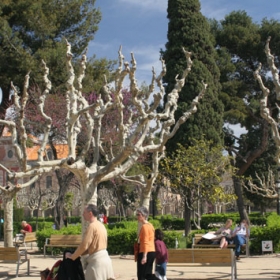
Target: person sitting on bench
[[25, 227], [240, 234], [226, 234]]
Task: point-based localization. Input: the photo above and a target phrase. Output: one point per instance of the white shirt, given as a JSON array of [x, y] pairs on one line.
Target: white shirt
[[242, 230]]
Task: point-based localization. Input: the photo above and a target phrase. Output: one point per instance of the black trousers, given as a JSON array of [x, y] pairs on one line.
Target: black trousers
[[145, 271]]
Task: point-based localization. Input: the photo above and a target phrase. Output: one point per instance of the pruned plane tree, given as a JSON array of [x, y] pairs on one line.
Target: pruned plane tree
[[267, 186], [138, 129]]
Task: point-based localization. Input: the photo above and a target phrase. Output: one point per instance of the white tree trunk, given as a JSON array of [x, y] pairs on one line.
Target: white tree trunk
[[8, 222]]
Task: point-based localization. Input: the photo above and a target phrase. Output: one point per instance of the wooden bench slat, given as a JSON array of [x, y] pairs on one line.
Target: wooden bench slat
[[203, 257], [30, 237], [8, 254], [63, 241]]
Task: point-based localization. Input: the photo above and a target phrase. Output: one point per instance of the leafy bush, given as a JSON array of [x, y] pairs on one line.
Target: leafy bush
[[120, 240], [170, 238], [272, 220], [123, 225], [259, 234], [169, 222], [208, 220]]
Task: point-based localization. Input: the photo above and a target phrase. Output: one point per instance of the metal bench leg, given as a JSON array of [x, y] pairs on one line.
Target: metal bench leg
[[247, 249], [18, 264], [28, 267]]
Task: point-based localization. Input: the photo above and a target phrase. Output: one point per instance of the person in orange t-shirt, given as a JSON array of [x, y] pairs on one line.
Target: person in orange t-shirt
[[147, 252]]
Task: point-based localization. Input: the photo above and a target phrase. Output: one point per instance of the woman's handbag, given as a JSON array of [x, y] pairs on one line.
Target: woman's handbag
[[136, 250]]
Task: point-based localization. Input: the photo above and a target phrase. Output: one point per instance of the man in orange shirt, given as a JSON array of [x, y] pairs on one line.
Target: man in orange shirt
[[98, 265]]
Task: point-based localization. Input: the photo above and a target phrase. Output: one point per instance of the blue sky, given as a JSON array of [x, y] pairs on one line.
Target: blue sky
[[140, 26]]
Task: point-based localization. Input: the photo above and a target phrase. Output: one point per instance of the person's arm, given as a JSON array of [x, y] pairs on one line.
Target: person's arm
[[230, 234], [238, 228], [158, 250], [83, 247], [219, 230], [144, 239]]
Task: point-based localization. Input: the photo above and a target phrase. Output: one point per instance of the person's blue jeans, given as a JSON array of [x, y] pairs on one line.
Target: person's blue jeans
[[239, 240], [161, 268]]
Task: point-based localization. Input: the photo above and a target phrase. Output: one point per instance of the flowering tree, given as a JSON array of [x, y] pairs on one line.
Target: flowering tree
[[133, 138]]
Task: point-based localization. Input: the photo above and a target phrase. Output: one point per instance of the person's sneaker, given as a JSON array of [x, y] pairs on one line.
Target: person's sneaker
[[237, 258]]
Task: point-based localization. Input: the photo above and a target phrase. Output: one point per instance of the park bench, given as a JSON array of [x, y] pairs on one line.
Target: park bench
[[28, 237], [198, 237], [203, 257], [14, 255], [62, 241]]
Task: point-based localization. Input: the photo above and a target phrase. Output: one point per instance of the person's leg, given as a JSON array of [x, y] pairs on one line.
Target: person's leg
[[239, 240], [164, 268], [237, 245], [222, 242], [226, 244], [140, 268], [149, 266]]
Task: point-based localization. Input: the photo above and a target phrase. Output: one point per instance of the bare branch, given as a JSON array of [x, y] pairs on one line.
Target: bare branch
[[266, 188]]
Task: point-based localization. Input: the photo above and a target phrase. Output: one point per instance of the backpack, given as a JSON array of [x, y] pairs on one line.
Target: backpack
[[67, 269], [54, 271]]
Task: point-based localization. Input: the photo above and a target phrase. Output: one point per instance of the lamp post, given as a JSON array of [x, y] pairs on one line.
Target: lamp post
[[278, 190]]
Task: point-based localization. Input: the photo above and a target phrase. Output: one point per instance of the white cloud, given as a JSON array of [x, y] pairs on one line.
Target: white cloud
[[217, 14], [158, 5]]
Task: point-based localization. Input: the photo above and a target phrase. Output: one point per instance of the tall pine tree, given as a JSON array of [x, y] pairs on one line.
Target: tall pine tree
[[240, 44], [188, 28], [34, 30]]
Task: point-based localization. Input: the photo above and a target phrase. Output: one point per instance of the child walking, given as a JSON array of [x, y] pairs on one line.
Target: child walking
[[161, 255]]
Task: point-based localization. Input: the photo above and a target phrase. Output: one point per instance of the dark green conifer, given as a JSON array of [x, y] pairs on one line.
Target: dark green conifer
[[188, 28]]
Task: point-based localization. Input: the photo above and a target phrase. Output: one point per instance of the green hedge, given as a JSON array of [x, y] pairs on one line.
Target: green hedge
[[122, 235], [169, 222], [255, 218], [120, 238]]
